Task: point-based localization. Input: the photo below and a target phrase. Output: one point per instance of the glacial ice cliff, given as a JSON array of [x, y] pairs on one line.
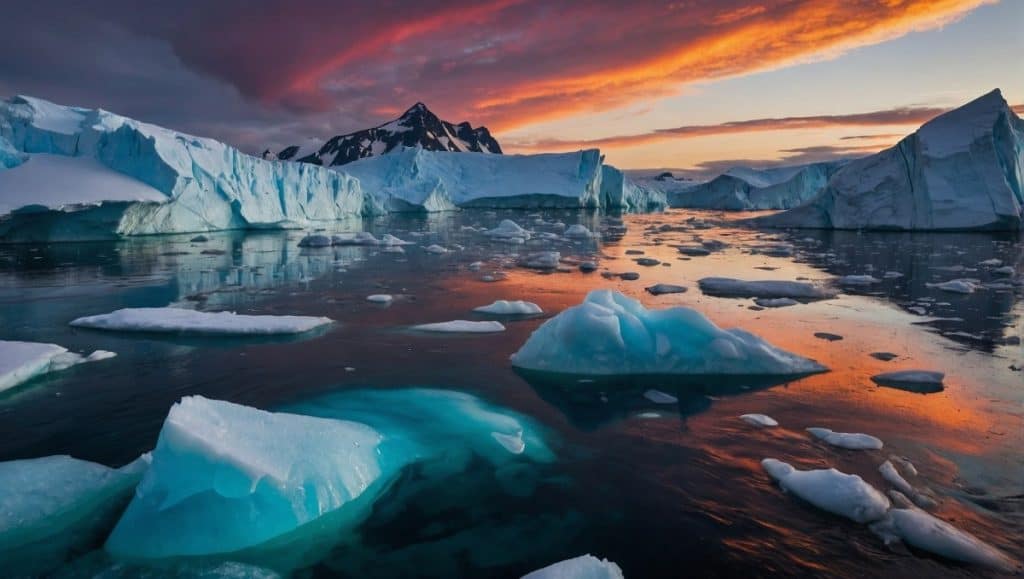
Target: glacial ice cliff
[[415, 179], [963, 170], [206, 184], [71, 173]]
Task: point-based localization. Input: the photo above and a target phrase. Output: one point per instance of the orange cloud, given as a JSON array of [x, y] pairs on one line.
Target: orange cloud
[[911, 116]]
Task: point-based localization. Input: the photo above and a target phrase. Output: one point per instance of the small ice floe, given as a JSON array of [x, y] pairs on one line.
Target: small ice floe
[[545, 260], [380, 298], [775, 302], [315, 240], [842, 494], [587, 266], [904, 464], [847, 440], [578, 232], [884, 356], [665, 288], [659, 397], [582, 567], [759, 420], [923, 531], [693, 250], [508, 230], [23, 361], [176, 320], [461, 327], [647, 261], [892, 275], [737, 288], [959, 286], [991, 262], [858, 280], [828, 337], [773, 250], [1005, 270], [200, 239], [435, 248], [629, 276], [475, 266], [893, 477], [390, 240], [359, 238], [923, 381], [510, 308]]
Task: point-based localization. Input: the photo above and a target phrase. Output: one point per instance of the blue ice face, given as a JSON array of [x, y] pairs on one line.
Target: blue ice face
[[275, 487]]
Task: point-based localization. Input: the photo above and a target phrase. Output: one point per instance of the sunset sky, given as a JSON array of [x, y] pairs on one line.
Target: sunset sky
[[685, 84]]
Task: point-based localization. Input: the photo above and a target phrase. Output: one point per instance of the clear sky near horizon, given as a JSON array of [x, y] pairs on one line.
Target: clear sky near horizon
[[681, 84]]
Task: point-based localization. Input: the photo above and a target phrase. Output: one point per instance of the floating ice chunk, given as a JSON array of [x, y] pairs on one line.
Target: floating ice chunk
[[924, 381], [904, 463], [892, 275], [51, 507], [380, 298], [848, 440], [920, 529], [508, 230], [582, 567], [315, 240], [390, 240], [665, 288], [659, 397], [610, 334], [737, 288], [991, 262], [435, 248], [588, 266], [759, 420], [510, 308], [858, 280], [461, 327], [1005, 270], [176, 320], [541, 260], [775, 302], [890, 474], [959, 286], [839, 493], [22, 361], [225, 477], [578, 231]]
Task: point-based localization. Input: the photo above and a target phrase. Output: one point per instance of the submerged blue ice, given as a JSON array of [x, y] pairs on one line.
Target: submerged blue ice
[[229, 479]]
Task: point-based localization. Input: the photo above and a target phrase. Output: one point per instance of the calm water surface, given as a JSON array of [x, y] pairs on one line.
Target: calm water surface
[[666, 491]]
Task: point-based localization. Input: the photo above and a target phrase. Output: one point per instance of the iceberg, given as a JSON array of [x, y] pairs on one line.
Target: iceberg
[[842, 494], [175, 320], [148, 179], [23, 361], [743, 189], [611, 334], [963, 170], [279, 489], [55, 507], [582, 567]]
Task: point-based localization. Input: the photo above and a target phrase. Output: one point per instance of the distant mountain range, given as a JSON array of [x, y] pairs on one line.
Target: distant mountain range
[[417, 127]]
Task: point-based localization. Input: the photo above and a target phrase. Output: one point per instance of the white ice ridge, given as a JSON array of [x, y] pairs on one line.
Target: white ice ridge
[[176, 320], [582, 567], [839, 493], [611, 334], [772, 289], [22, 361], [508, 308]]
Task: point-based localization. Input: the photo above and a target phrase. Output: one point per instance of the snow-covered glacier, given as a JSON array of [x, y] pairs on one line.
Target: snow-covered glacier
[[275, 488], [70, 173], [416, 179], [962, 170], [744, 189]]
